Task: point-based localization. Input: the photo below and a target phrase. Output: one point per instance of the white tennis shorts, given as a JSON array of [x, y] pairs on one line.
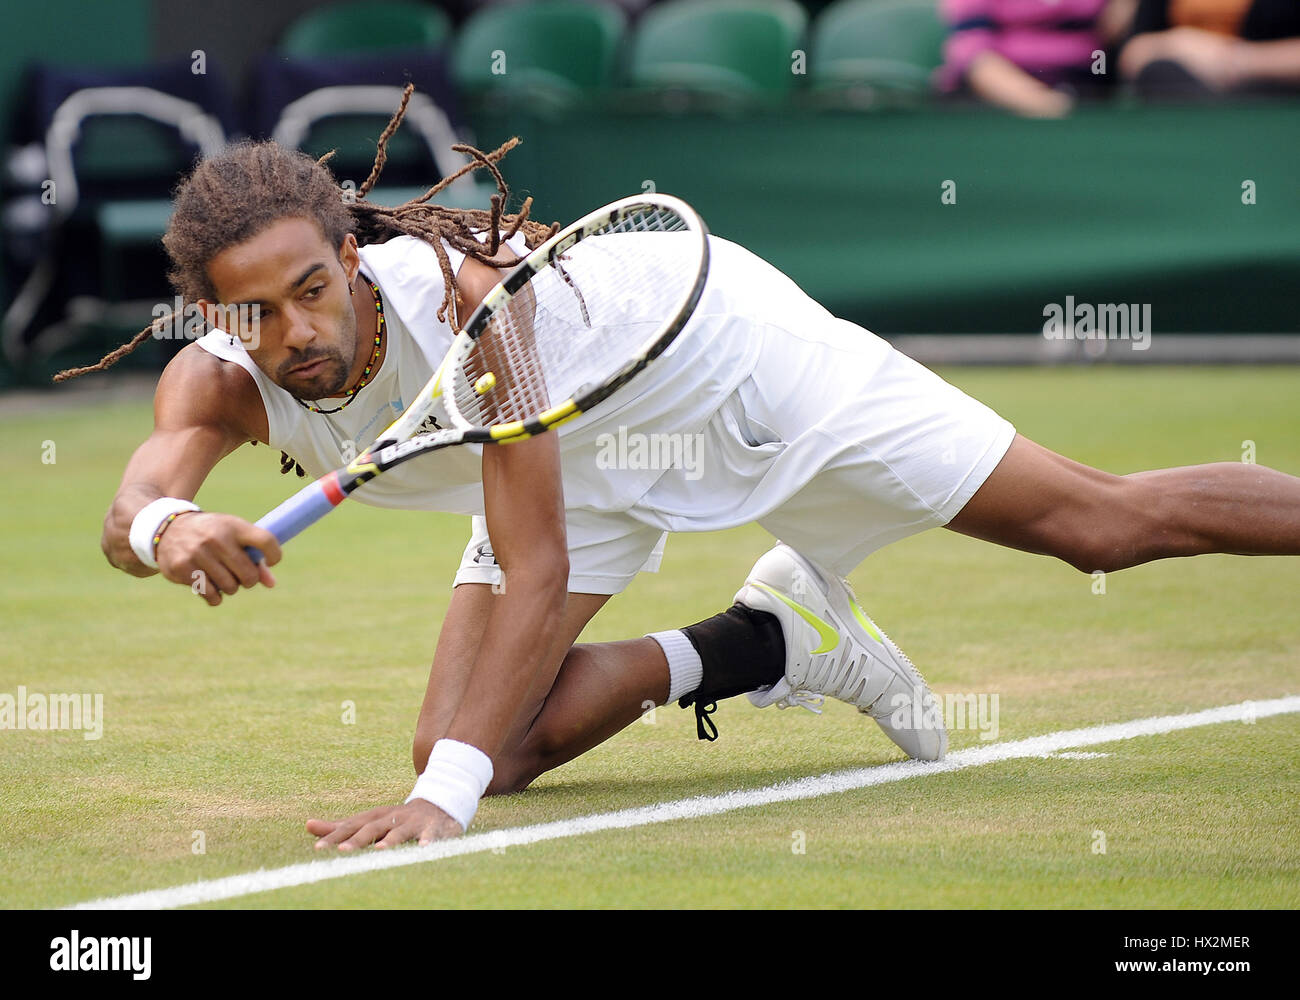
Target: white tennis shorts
[[836, 443]]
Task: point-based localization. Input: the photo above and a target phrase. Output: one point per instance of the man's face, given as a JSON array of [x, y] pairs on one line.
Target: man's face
[[296, 285]]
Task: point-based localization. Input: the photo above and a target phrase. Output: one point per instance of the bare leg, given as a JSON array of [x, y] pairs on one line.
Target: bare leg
[[1034, 500], [1039, 501], [598, 689], [601, 689]]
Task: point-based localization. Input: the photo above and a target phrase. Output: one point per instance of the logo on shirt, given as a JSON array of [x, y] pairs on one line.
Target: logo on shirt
[[484, 556]]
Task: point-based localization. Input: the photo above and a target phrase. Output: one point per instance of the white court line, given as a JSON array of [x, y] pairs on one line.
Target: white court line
[[310, 872], [1074, 755]]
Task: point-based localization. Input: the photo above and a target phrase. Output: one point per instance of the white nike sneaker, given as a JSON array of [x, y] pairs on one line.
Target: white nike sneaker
[[833, 648]]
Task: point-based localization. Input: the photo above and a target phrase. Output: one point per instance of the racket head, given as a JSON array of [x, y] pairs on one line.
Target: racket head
[[577, 319]]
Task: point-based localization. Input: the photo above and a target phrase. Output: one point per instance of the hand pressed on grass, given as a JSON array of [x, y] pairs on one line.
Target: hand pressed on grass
[[386, 826]]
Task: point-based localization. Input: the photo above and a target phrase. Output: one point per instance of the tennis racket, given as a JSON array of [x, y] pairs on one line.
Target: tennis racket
[[570, 325]]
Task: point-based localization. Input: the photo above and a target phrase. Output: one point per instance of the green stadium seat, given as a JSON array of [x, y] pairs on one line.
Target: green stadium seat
[[366, 27], [346, 119], [121, 149], [131, 223], [125, 140], [877, 47], [555, 50], [346, 116], [113, 153], [739, 47]]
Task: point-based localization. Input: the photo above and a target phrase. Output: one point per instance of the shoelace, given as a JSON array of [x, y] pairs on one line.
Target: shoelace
[[705, 728], [802, 698]]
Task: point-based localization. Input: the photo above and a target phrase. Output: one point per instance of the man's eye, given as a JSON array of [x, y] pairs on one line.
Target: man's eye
[[314, 292]]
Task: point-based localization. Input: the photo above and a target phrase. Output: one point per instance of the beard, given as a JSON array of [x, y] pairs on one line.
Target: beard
[[329, 380]]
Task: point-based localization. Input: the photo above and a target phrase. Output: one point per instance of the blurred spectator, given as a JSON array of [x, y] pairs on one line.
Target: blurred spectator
[[1033, 57], [1199, 48]]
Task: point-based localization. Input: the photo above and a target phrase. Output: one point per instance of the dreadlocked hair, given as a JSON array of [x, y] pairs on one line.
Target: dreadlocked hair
[[233, 196]]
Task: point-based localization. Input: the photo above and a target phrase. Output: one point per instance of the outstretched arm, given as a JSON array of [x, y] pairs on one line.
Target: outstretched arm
[[525, 514], [458, 642], [1219, 61], [523, 642], [201, 414], [519, 639], [998, 80]]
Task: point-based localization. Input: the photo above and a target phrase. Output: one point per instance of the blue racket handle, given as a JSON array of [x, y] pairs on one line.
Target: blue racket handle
[[300, 511]]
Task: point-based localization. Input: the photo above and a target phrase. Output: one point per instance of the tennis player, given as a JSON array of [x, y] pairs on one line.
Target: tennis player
[[809, 425]]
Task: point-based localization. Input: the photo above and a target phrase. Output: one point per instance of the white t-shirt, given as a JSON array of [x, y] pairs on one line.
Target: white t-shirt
[[765, 408], [602, 473]]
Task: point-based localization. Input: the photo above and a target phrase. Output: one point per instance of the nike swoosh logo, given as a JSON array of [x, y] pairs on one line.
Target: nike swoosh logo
[[865, 622], [829, 636]]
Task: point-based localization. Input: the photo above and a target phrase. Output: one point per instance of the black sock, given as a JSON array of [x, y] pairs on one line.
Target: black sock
[[740, 650]]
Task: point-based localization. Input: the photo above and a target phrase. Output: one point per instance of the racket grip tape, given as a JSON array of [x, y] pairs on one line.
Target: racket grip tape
[[300, 511]]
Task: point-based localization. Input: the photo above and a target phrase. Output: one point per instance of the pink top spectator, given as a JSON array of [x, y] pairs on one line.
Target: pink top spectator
[[1050, 39]]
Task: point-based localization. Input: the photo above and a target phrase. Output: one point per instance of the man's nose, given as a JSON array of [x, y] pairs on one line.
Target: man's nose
[[298, 333]]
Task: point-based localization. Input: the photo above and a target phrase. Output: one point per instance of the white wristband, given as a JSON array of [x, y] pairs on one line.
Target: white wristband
[[455, 779], [145, 525]]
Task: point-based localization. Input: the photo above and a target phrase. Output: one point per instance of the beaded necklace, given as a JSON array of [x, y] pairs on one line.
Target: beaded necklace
[[351, 394]]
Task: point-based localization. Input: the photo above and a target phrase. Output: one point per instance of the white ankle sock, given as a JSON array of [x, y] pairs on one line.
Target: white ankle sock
[[685, 671]]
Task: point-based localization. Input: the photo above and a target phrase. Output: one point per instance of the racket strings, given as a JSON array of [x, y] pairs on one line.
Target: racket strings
[[580, 321]]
